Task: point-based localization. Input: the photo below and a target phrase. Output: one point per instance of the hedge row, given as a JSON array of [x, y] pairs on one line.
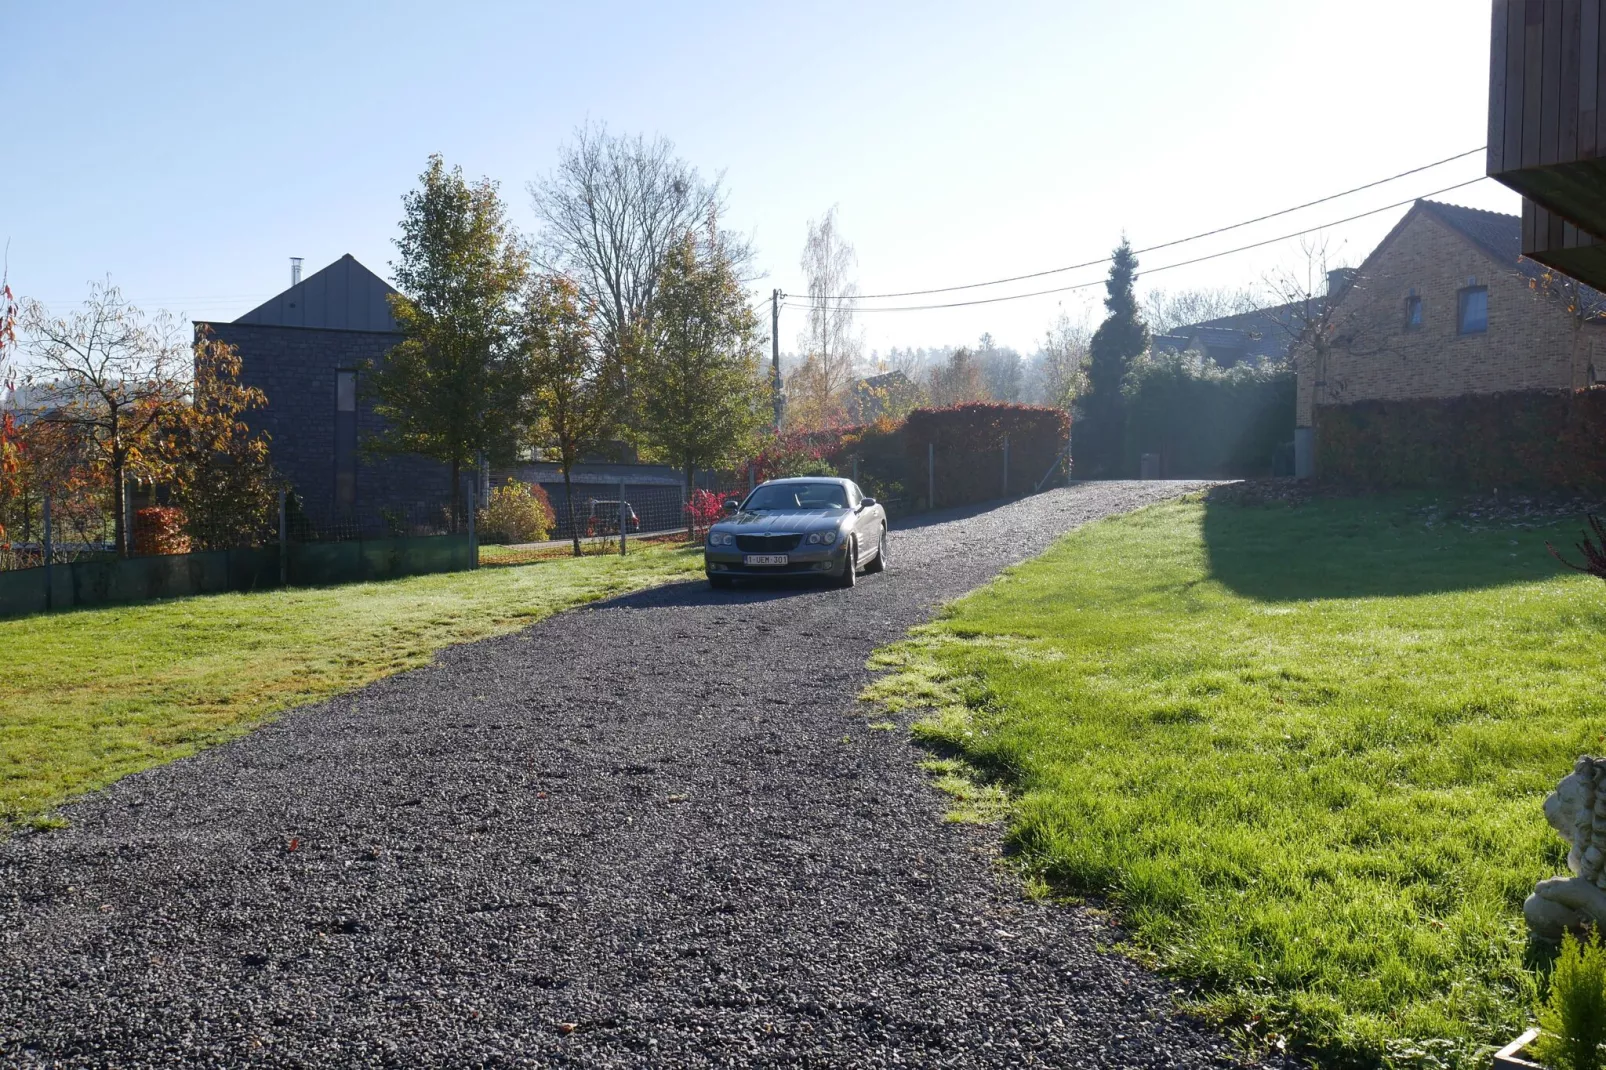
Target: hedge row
[[1205, 422], [1531, 439], [967, 444]]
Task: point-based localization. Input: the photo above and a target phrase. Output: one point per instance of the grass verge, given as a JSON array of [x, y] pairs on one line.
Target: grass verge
[[93, 695], [1300, 750]]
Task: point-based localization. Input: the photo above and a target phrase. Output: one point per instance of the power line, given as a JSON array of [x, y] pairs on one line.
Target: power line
[[1166, 267], [1162, 245]]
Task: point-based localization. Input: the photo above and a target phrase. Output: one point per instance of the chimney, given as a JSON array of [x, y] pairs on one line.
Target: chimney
[[1338, 280], [295, 270]]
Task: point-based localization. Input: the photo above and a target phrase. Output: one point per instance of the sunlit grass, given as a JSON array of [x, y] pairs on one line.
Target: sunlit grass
[[1316, 796], [93, 695]]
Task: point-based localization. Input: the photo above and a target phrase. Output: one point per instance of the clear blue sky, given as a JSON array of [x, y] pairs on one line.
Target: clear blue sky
[[187, 150]]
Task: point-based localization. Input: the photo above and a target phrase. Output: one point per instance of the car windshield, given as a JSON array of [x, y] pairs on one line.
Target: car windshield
[[798, 496]]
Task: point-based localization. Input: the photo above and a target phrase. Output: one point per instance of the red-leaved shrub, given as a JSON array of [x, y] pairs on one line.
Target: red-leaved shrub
[[159, 529]]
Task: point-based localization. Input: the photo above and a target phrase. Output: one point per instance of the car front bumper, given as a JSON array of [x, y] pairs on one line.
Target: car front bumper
[[815, 561]]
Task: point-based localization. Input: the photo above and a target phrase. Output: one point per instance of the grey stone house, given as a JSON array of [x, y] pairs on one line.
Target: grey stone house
[[304, 349]]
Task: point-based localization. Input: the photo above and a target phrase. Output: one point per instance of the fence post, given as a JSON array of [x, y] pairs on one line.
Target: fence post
[[284, 540], [50, 550], [855, 469], [128, 518], [1006, 466], [473, 540], [624, 521], [931, 475]]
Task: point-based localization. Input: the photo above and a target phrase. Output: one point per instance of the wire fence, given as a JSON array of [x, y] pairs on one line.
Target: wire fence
[[67, 532]]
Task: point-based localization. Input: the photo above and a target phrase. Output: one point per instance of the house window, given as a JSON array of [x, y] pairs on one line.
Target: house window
[[345, 439], [1472, 310], [1413, 312]]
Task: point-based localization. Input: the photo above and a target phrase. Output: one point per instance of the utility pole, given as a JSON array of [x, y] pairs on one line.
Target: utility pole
[[775, 354]]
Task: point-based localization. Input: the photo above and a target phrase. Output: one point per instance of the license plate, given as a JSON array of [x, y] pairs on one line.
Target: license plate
[[764, 559]]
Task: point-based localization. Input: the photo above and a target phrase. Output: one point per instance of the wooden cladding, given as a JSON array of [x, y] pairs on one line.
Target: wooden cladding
[[1547, 127], [1547, 99]]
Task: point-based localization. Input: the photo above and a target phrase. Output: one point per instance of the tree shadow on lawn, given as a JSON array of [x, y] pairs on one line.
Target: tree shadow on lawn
[[1377, 546]]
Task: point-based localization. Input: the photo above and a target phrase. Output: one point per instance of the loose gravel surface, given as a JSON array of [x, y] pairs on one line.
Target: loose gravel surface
[[654, 832]]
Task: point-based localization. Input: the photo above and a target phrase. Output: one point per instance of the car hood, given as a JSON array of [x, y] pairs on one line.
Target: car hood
[[789, 520]]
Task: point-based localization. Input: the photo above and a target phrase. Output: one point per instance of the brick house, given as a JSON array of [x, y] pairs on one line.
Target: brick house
[[304, 349], [1446, 306]]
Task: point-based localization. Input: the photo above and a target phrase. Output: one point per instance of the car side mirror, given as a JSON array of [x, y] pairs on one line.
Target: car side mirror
[[865, 503], [731, 505]]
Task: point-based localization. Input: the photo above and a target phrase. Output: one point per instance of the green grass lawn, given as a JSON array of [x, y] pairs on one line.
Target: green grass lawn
[[93, 695], [1300, 750]]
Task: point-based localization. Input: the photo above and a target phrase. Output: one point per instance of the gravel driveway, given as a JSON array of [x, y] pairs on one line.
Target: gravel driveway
[[654, 832]]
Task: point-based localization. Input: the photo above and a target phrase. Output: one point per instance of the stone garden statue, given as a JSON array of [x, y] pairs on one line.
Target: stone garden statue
[[1577, 810]]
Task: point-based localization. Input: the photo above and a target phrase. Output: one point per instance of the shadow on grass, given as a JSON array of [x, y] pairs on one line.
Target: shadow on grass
[[1371, 547]]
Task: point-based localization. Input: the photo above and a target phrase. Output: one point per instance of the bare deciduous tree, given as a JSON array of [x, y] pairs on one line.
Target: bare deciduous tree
[[830, 340], [1314, 318], [611, 213], [1165, 311], [1059, 368], [111, 375]]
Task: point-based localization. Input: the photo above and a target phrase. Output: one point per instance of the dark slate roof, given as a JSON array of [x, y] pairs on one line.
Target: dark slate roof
[[1496, 233], [1256, 337], [343, 296]]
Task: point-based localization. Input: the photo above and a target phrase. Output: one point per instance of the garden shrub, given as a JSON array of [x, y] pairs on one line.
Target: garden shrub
[[704, 507], [1534, 439], [159, 529], [1205, 420], [516, 512], [1573, 1020], [796, 453], [969, 441]]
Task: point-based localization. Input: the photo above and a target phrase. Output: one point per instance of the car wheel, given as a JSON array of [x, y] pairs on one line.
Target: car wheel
[[721, 583], [880, 562], [850, 565]]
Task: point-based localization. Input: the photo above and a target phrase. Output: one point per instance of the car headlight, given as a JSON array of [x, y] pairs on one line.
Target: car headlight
[[720, 538], [818, 537]]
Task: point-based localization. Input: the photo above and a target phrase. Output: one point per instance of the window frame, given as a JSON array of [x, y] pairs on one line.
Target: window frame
[[345, 444], [1413, 312], [1461, 297]]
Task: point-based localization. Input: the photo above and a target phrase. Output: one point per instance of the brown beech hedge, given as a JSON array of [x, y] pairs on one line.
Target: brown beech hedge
[[1531, 439], [968, 443]]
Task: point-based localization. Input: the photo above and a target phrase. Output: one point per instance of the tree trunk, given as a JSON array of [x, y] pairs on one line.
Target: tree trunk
[[691, 521], [568, 501], [122, 538]]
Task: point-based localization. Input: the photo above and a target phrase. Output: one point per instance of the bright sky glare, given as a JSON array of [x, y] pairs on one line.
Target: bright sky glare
[[187, 150]]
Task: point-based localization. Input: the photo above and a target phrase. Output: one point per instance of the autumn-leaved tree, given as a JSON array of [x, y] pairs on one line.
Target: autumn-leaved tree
[[957, 380], [573, 393], [702, 386], [107, 377], [452, 389], [10, 451], [217, 469]]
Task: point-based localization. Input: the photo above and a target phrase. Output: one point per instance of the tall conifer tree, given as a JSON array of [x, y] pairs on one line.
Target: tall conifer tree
[[1118, 341]]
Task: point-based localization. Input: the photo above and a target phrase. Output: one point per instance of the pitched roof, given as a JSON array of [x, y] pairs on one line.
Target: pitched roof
[[343, 296], [1496, 233]]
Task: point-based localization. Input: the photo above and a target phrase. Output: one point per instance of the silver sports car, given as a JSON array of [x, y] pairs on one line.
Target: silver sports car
[[798, 527]]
